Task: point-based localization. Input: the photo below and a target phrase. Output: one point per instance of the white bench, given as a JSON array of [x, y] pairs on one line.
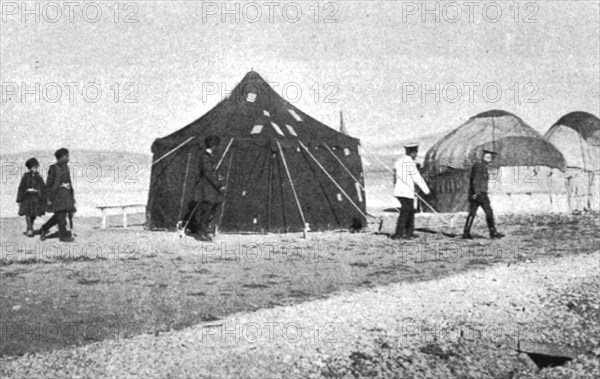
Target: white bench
[[108, 210]]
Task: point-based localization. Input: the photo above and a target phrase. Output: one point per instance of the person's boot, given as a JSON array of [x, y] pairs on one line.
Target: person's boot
[[495, 234], [64, 235], [492, 227], [398, 235], [202, 236], [205, 237], [410, 229], [467, 231], [29, 231], [42, 234]]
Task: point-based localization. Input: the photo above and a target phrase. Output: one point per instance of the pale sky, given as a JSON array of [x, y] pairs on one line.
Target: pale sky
[[373, 61]]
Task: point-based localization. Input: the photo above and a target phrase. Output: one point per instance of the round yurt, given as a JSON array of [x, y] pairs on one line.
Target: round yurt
[[527, 175], [577, 136]]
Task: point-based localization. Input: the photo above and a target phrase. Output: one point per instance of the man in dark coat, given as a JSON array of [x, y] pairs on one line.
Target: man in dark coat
[[31, 195], [478, 196], [209, 192], [60, 195]]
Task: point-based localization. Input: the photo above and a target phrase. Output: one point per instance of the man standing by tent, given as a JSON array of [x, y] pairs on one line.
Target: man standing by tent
[[406, 175], [209, 193], [478, 196]]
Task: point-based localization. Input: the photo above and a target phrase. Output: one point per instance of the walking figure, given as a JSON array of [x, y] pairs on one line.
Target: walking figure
[[61, 197], [478, 196]]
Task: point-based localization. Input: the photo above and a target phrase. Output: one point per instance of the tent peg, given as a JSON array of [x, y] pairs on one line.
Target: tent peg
[[305, 230], [180, 229]]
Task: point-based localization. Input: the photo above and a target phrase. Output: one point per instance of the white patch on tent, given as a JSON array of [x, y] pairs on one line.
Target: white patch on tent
[[298, 149], [358, 191], [266, 113], [277, 128], [243, 193], [346, 151], [295, 115], [291, 130], [256, 129], [339, 197], [251, 97], [254, 221]]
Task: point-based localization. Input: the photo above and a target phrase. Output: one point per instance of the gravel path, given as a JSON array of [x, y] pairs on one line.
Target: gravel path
[[413, 323]]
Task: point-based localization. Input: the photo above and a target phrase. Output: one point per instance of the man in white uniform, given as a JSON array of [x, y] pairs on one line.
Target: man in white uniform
[[406, 176]]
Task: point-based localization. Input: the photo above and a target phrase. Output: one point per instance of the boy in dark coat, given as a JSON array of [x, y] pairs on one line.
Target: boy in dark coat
[[61, 198], [209, 191], [478, 196], [31, 195]]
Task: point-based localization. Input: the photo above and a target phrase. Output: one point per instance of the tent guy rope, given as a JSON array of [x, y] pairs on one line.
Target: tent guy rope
[[224, 154], [287, 170], [167, 154], [344, 166], [225, 194], [365, 215], [187, 170]]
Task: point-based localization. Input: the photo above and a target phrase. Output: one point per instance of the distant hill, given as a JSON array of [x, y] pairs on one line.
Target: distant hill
[[88, 160], [396, 146], [101, 157], [389, 151]]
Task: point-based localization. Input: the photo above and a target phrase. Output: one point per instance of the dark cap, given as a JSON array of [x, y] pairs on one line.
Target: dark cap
[[410, 147], [61, 153], [32, 162]]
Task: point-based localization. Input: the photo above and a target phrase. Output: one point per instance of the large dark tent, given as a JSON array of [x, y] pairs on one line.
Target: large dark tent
[[282, 168], [528, 175]]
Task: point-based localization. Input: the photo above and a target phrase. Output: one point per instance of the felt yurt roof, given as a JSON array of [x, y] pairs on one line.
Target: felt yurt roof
[[516, 143], [577, 136], [586, 124]]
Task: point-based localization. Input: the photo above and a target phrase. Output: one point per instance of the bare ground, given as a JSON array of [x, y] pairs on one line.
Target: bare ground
[[467, 325], [125, 282]]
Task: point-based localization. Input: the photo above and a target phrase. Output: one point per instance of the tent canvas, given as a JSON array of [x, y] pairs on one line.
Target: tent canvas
[[282, 167], [577, 136], [526, 176]]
